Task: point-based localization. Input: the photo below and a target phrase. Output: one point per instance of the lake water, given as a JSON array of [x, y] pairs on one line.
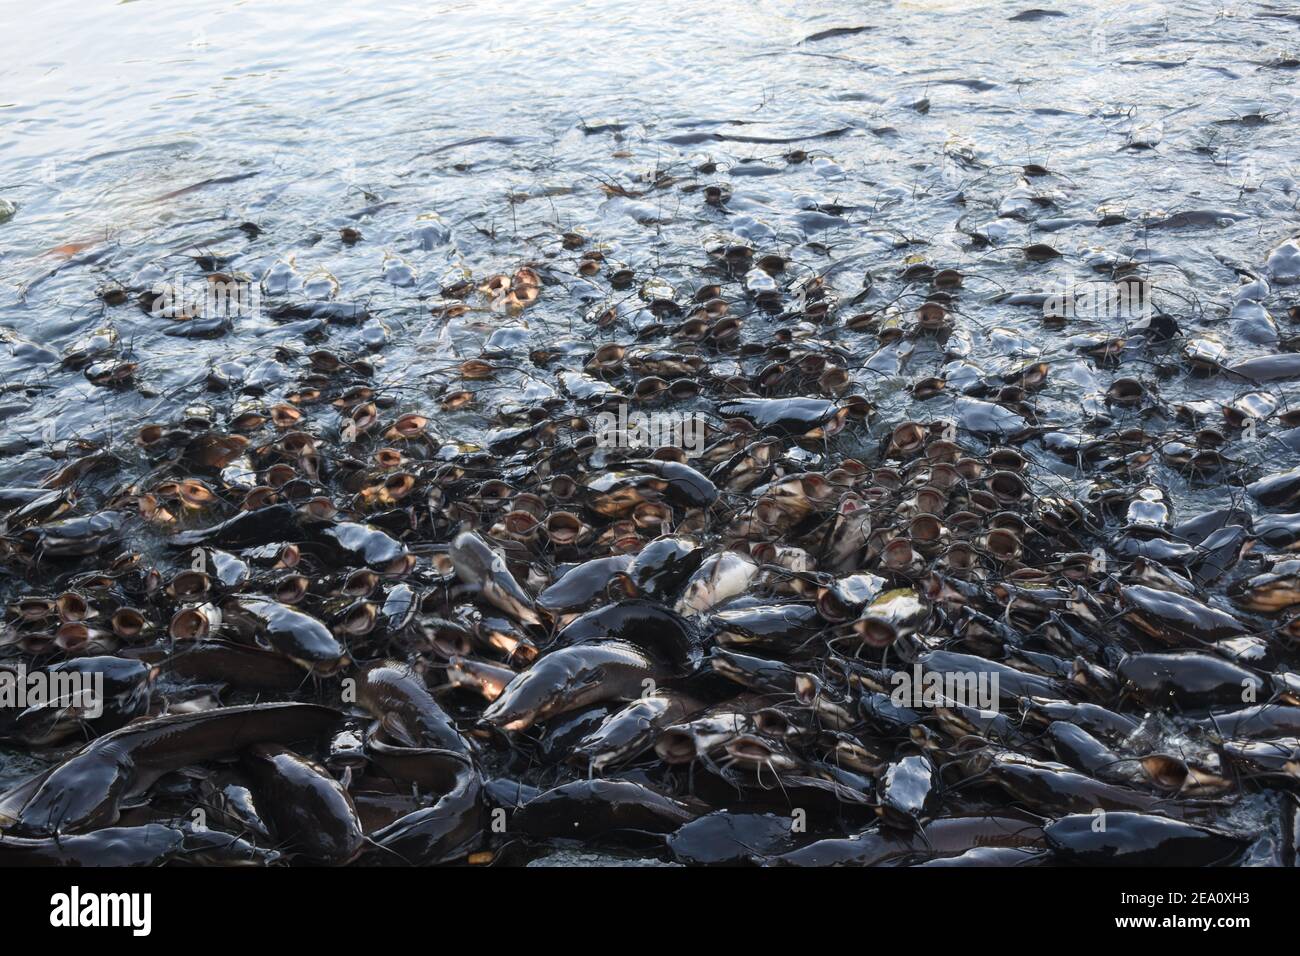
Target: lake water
[[462, 139]]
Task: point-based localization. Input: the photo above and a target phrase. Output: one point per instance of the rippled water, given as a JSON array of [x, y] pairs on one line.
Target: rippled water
[[462, 140]]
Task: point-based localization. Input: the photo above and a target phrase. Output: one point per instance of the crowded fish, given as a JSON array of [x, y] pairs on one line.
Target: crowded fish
[[796, 545]]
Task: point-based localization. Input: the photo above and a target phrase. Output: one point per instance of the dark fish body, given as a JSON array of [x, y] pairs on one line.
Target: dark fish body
[[397, 697], [230, 570], [1268, 368], [1260, 720], [1275, 590], [511, 794], [834, 32], [1051, 790], [307, 807], [880, 711], [344, 313], [682, 484], [1078, 748], [601, 808], [985, 856], [488, 679], [287, 631], [848, 597], [1278, 490], [239, 665], [1012, 683], [1221, 551], [75, 537], [784, 417], [1092, 718], [964, 833], [756, 673], [1279, 531], [631, 730], [125, 695], [719, 577], [565, 731], [908, 789], [13, 497], [355, 543], [634, 481], [1279, 755], [1199, 527], [478, 565], [1140, 839], [399, 607], [574, 677], [150, 844], [775, 626], [245, 530], [582, 585], [446, 830], [662, 565], [732, 839], [84, 792], [1188, 680], [234, 808], [869, 848], [1170, 616], [652, 627]]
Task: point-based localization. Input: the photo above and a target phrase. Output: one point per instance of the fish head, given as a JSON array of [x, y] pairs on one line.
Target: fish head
[[526, 699]]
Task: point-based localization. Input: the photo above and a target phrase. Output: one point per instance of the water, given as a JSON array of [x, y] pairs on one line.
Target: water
[[329, 114], [463, 139]]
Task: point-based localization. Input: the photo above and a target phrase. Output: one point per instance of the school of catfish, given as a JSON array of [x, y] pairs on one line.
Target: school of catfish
[[330, 632]]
